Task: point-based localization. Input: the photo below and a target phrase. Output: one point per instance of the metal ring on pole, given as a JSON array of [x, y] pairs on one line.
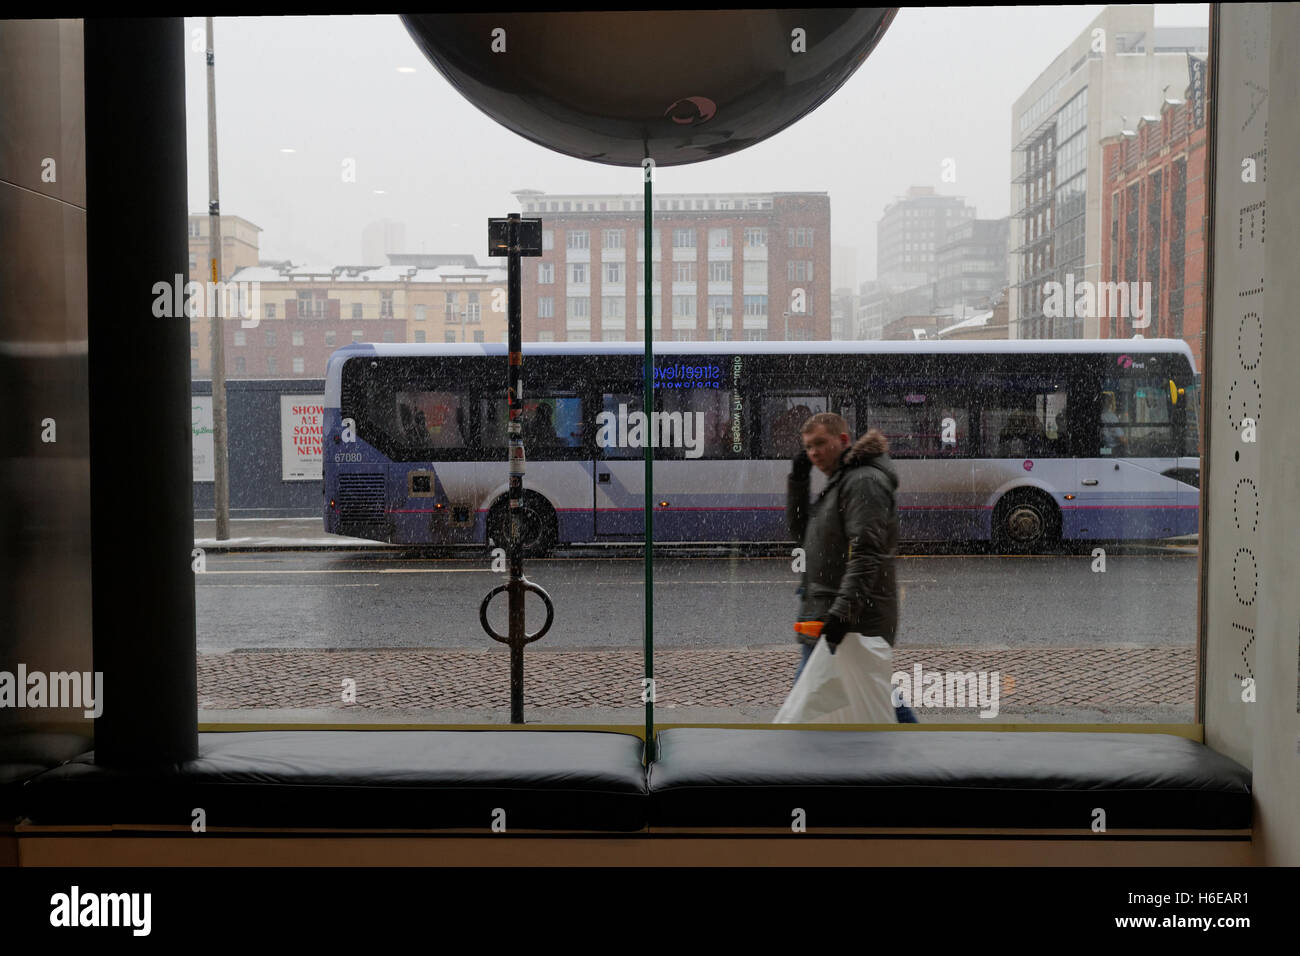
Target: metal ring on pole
[[526, 585]]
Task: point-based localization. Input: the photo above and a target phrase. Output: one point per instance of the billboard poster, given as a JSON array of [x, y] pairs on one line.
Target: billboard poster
[[302, 431], [201, 424]]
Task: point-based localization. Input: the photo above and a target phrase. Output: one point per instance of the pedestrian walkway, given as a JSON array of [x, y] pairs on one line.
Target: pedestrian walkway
[[1120, 678]]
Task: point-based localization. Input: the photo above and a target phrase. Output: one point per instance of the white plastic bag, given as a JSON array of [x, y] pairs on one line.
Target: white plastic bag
[[850, 686]]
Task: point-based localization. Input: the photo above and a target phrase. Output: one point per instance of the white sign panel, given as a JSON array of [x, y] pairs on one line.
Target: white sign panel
[[302, 430], [201, 423]]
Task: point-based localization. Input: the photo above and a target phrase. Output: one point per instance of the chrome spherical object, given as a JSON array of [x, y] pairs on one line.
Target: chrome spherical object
[[676, 87]]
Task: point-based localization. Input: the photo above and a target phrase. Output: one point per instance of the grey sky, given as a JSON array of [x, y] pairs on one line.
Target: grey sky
[[940, 84]]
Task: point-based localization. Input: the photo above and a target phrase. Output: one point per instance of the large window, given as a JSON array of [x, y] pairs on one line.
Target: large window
[[782, 416], [1020, 418], [1134, 418]]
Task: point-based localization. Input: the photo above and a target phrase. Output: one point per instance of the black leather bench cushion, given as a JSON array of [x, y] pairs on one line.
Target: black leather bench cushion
[[711, 777], [545, 780], [25, 755]]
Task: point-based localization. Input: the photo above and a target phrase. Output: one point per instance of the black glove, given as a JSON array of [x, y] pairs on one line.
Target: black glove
[[801, 466], [834, 630]]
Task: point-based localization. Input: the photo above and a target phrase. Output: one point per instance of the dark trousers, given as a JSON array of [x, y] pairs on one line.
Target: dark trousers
[[905, 714]]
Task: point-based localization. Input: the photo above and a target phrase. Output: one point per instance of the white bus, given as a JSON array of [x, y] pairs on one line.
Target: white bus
[[1022, 443]]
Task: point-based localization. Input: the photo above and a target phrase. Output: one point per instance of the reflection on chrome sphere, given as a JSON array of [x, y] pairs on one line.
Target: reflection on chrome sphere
[[678, 87]]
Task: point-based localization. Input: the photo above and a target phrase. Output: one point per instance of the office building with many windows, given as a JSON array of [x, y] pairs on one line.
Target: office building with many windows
[[724, 267]]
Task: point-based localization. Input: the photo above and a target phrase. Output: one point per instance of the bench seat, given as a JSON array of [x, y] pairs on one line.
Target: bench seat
[[543, 780], [723, 778]]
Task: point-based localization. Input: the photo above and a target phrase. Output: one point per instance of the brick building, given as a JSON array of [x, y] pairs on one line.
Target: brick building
[[1153, 210], [305, 314], [725, 266]]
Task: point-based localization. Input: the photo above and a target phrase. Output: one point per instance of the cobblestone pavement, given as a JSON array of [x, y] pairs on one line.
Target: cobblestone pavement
[[1035, 678]]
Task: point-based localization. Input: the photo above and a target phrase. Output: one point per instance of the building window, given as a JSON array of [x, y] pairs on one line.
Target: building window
[[356, 335], [800, 237], [419, 313], [756, 273], [756, 305], [297, 366], [449, 335], [719, 238], [683, 238], [546, 336], [545, 307], [799, 270], [271, 368], [579, 239], [654, 239], [240, 366], [451, 308], [719, 271], [755, 237], [194, 367], [579, 307], [329, 338], [683, 271], [194, 340], [388, 335], [269, 310], [580, 336], [613, 307], [419, 335], [385, 305], [196, 230], [545, 273], [239, 337], [613, 238], [754, 335], [578, 273], [684, 306], [548, 236], [472, 313], [478, 335], [614, 273], [270, 336], [297, 338], [356, 310]]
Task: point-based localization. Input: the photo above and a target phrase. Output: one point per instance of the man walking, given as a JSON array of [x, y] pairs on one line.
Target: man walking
[[849, 535]]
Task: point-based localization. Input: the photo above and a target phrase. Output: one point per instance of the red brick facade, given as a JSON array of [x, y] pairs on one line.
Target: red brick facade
[[1153, 216], [792, 211]]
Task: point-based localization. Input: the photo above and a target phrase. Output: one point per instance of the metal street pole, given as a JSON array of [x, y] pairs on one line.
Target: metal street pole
[[220, 476]]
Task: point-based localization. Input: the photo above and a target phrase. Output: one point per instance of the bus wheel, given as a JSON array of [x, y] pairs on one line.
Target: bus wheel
[[539, 530], [1026, 522]]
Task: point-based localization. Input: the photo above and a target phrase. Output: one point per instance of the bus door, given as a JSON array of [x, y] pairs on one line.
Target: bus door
[[619, 469], [1127, 474], [927, 422]]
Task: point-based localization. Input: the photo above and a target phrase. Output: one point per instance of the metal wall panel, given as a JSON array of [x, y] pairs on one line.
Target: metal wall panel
[[45, 613]]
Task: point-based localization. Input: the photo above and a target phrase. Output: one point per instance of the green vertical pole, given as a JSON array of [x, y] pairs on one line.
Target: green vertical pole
[[647, 406]]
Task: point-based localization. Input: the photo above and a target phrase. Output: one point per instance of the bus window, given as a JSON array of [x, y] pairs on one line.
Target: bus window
[[783, 419], [917, 418], [427, 420], [1025, 423], [784, 415], [718, 417], [1135, 420]]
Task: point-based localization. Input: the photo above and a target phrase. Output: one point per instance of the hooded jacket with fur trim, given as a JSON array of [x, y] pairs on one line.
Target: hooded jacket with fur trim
[[850, 539]]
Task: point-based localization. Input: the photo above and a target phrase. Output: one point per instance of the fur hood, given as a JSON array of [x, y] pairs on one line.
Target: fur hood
[[871, 449]]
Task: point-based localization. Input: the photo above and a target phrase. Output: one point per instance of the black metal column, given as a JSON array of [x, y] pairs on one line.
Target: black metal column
[[141, 495]]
